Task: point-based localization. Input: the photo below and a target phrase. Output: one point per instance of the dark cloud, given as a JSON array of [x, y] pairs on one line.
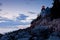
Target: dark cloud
[[22, 17], [4, 19], [10, 23], [0, 4], [32, 12], [0, 9]]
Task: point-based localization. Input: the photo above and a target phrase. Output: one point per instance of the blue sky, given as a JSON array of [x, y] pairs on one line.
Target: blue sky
[[19, 13]]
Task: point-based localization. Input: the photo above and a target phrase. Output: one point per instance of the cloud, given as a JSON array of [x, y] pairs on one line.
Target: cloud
[[22, 17], [4, 19], [32, 12], [12, 23], [23, 26], [5, 30], [27, 17], [30, 15], [0, 4], [4, 22], [11, 15], [15, 20]]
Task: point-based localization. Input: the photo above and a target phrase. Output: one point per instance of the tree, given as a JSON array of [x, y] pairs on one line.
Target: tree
[[55, 10]]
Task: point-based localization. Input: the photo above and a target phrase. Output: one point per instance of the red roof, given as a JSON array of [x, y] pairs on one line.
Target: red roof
[[43, 7]]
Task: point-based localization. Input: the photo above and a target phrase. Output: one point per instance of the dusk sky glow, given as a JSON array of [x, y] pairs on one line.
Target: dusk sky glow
[[19, 13]]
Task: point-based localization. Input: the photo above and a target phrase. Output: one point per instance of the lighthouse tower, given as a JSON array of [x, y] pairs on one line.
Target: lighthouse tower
[[43, 12]]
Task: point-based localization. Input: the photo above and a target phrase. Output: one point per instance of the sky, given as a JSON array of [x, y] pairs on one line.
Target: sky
[[18, 14]]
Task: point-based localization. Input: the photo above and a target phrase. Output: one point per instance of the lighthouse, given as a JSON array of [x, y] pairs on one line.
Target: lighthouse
[[43, 12]]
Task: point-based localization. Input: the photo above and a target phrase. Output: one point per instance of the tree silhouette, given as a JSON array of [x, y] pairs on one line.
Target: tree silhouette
[[55, 10]]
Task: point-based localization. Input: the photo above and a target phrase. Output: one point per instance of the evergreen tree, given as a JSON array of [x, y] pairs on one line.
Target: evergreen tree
[[55, 10]]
